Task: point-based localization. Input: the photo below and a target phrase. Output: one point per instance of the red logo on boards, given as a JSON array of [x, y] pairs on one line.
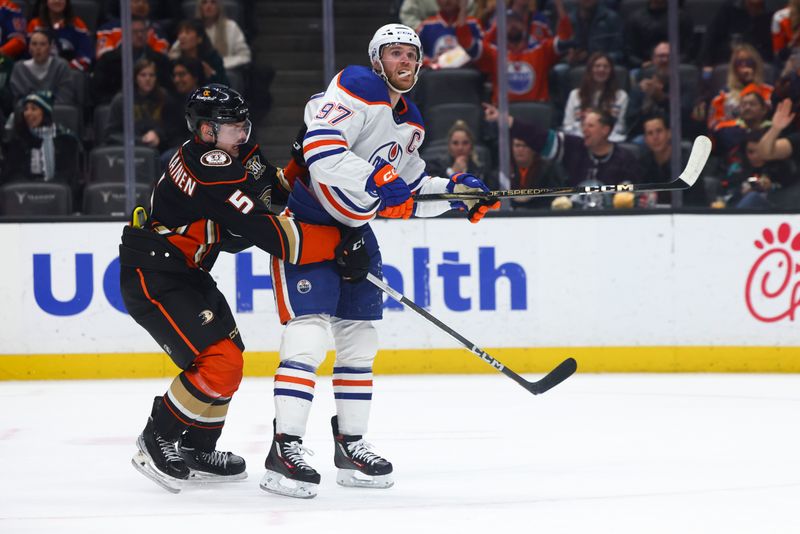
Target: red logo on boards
[[772, 292]]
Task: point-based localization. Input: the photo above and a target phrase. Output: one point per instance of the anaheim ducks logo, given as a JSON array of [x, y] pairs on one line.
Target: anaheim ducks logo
[[207, 316], [216, 158]]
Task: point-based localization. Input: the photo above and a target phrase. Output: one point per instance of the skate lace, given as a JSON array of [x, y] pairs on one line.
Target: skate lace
[[360, 450], [168, 450], [294, 451], [216, 458]]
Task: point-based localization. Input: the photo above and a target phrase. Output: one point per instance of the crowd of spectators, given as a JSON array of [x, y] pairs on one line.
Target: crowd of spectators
[[61, 89], [598, 70], [588, 78]]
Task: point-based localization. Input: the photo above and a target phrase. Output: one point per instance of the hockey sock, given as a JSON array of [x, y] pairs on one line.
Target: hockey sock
[[205, 431], [352, 389], [294, 391]]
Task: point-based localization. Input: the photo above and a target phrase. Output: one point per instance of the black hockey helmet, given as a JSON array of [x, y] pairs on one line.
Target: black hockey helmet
[[217, 104]]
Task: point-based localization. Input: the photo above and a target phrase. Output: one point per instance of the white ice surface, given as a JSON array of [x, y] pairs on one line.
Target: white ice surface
[[614, 454]]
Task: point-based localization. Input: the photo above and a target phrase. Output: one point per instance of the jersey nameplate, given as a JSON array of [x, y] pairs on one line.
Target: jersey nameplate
[[215, 158]]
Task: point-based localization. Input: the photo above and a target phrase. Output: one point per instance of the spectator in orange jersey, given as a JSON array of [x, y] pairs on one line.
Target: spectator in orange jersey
[[70, 34], [538, 25], [746, 67], [106, 80], [729, 136], [109, 35], [786, 30], [12, 31], [12, 45], [528, 68]]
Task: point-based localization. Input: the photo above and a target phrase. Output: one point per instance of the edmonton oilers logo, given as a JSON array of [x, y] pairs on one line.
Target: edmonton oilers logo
[[521, 77], [389, 152], [303, 286]]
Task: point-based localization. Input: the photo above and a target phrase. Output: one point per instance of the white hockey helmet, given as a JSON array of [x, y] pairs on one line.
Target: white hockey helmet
[[394, 34]]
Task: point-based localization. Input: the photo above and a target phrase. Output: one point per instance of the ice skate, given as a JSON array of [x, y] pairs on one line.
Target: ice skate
[[214, 466], [287, 472], [158, 460], [359, 467]]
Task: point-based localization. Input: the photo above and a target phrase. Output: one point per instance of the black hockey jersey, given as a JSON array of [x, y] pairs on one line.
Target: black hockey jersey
[[206, 198]]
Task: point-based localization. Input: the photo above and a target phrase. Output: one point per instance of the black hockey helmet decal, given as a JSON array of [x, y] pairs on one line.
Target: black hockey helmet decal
[[217, 104]]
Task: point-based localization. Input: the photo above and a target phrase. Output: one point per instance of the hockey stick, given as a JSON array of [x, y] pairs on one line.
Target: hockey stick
[[701, 149], [563, 371]]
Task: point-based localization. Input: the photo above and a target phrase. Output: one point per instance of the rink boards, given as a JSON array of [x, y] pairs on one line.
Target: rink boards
[[655, 292]]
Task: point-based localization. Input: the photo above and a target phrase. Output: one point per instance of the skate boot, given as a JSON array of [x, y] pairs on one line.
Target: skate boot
[[214, 466], [287, 472], [359, 467], [158, 460]]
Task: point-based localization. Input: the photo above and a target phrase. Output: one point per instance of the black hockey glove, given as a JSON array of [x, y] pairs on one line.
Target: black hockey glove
[[352, 259]]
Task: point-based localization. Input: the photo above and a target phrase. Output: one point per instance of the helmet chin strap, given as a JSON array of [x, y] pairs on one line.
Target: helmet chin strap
[[385, 78]]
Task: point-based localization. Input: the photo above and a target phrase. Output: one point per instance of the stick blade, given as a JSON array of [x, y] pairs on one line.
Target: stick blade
[[698, 157], [563, 371]]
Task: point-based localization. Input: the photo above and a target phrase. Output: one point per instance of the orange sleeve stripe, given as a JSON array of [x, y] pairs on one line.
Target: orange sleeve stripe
[[277, 291], [164, 312], [365, 383], [324, 142], [341, 209], [295, 380]]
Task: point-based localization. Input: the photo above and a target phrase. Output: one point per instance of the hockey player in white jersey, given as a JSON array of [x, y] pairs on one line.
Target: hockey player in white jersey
[[361, 151]]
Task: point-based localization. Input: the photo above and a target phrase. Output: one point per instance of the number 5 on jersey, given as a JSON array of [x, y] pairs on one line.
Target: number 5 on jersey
[[241, 202], [341, 113]]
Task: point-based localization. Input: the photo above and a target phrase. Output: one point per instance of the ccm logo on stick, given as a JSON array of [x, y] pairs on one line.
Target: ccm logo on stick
[[607, 188]]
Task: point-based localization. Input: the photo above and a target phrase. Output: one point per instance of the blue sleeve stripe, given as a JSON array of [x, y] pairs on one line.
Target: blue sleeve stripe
[[299, 366], [347, 201], [352, 370], [353, 396], [321, 155], [293, 393], [314, 133]]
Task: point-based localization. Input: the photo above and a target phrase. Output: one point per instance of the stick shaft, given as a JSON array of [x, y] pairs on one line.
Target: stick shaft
[[701, 149], [469, 345], [555, 191]]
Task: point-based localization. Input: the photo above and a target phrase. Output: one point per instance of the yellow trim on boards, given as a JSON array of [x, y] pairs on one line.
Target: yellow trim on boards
[[429, 361]]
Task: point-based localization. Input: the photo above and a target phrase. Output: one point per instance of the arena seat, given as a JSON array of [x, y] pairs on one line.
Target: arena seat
[[106, 198], [35, 198]]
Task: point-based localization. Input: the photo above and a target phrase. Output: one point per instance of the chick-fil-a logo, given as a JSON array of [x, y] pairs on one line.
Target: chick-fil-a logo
[[773, 285]]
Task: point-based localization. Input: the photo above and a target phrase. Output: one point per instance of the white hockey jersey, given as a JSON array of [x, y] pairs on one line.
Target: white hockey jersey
[[350, 126]]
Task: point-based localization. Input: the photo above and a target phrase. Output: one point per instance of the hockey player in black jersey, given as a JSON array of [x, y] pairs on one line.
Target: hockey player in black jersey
[[213, 196]]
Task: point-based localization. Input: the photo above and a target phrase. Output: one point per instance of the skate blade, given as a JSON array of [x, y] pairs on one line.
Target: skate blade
[[273, 482], [201, 477], [142, 464], [351, 478]]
